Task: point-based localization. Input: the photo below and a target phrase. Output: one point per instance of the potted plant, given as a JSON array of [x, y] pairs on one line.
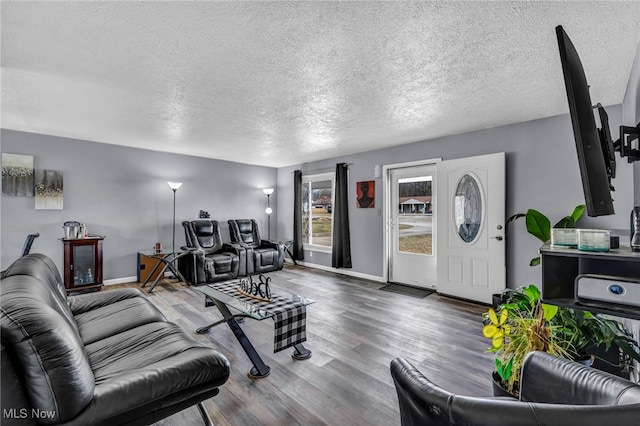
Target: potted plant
[[522, 323], [594, 336]]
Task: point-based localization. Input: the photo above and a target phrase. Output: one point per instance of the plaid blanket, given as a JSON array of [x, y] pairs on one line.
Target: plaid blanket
[[290, 317]]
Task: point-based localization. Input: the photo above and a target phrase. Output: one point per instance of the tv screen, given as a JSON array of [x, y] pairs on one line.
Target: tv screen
[[595, 164]]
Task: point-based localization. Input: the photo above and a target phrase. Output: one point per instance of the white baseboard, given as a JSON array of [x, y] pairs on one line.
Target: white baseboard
[[339, 271], [128, 279], [120, 280]]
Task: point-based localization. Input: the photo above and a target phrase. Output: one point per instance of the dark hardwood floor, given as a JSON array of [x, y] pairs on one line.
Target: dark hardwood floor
[[354, 330]]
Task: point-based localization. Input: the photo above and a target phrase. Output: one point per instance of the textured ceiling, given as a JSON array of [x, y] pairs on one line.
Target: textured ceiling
[[281, 83]]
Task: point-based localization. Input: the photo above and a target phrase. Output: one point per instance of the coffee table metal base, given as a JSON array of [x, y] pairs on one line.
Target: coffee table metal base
[[260, 369], [300, 353]]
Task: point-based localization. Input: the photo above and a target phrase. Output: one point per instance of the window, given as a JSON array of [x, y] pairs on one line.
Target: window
[[317, 210], [415, 214]]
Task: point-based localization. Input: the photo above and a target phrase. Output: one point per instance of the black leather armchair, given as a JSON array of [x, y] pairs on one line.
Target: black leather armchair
[[262, 255], [553, 391], [211, 259]]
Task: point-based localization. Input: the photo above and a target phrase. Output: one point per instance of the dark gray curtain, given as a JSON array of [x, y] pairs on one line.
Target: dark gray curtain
[[297, 250], [341, 247]]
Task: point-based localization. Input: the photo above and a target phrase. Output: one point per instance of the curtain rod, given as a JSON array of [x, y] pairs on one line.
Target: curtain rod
[[322, 170]]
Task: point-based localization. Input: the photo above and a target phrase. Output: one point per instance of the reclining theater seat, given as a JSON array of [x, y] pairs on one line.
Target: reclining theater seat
[[211, 260], [262, 255], [553, 392], [106, 358]]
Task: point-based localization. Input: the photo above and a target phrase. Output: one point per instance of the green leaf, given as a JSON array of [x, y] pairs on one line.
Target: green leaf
[[508, 370], [577, 213], [504, 370], [628, 349], [535, 261], [571, 220], [538, 225], [532, 293], [509, 306], [565, 222], [511, 219], [549, 311]]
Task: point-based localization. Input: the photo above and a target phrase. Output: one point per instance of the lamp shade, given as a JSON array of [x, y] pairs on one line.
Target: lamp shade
[[268, 191], [174, 185], [268, 210]]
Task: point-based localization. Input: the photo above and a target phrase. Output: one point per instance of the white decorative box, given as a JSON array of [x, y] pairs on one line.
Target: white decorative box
[[564, 237], [594, 239]]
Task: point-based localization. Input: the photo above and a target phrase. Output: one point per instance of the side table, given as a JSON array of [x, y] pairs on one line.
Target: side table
[[287, 244], [168, 260]]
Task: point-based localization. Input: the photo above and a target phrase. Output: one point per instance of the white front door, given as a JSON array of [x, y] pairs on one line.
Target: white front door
[[411, 225], [471, 213]]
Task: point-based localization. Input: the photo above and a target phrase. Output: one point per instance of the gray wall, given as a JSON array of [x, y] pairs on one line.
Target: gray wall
[[122, 193], [542, 173]]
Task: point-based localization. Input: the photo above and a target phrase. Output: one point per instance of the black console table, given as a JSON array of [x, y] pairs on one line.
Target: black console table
[[561, 266]]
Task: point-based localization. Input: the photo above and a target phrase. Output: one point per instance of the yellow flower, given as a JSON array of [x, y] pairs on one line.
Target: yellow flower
[[497, 329]]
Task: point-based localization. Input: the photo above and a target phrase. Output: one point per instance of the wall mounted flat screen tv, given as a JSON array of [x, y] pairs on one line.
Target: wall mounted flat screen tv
[[593, 146]]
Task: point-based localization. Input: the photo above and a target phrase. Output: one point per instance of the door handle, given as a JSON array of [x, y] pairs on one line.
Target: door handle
[[499, 237]]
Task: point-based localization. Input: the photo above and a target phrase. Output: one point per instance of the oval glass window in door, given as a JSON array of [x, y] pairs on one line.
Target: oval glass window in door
[[467, 209]]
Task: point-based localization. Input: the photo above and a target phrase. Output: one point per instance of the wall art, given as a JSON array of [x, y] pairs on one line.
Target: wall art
[[365, 194], [49, 190], [17, 175]]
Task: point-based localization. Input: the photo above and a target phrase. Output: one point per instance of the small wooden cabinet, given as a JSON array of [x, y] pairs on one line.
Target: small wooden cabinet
[[83, 263]]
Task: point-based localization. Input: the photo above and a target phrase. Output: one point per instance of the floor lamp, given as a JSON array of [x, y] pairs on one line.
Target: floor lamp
[[268, 211], [174, 187]]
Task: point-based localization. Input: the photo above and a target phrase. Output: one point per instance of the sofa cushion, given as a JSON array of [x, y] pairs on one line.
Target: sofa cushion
[[154, 362], [265, 257], [55, 368], [86, 302], [244, 231], [217, 264], [207, 234], [42, 268], [39, 266], [116, 317], [142, 347]]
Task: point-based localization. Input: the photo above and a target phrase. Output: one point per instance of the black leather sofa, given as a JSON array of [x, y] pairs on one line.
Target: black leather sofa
[[105, 358], [553, 392], [211, 260], [262, 255]]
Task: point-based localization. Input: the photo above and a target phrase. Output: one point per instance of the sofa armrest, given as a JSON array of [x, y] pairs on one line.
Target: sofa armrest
[[88, 302], [270, 244], [280, 247], [235, 248], [549, 379], [197, 259], [239, 250]]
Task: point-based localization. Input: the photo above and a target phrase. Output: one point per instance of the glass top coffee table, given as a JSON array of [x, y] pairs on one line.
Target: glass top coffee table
[[288, 311]]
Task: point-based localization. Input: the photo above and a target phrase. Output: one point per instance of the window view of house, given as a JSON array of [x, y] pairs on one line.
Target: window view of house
[[317, 213], [415, 215]]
